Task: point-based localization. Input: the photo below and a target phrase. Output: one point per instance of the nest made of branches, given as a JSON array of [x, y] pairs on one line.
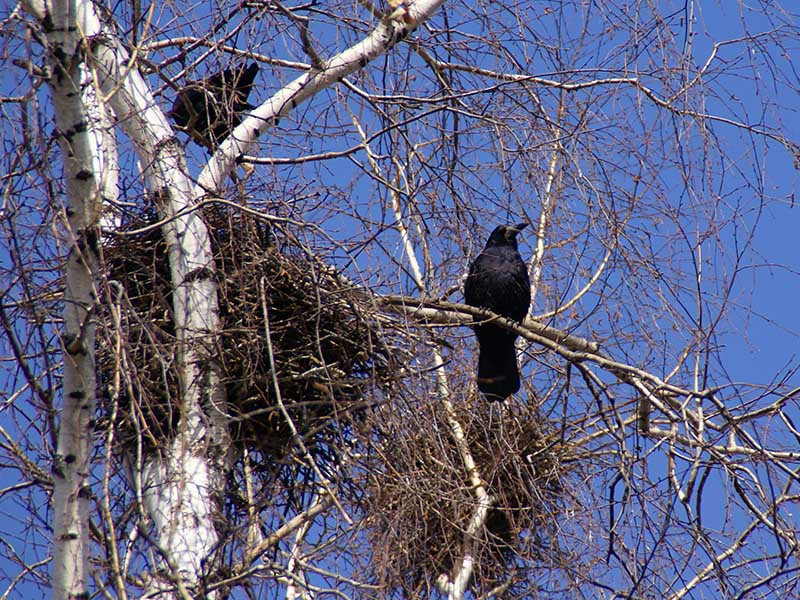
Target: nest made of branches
[[332, 350], [424, 502]]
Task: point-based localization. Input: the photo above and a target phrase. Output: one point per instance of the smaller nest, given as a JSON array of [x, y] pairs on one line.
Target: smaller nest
[[426, 503], [331, 352]]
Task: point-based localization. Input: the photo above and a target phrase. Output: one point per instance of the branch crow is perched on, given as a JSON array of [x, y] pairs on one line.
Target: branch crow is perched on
[[498, 281], [208, 109]]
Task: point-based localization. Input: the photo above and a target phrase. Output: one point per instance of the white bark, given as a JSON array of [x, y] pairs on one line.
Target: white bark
[[296, 585], [86, 150]]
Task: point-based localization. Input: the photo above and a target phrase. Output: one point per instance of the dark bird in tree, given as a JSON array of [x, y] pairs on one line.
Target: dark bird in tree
[[498, 281], [209, 109]]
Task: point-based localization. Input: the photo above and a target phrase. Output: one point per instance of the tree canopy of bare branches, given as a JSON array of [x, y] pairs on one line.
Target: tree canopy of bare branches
[[250, 373]]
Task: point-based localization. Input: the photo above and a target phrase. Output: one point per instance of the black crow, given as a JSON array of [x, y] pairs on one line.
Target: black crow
[[498, 281], [209, 109]]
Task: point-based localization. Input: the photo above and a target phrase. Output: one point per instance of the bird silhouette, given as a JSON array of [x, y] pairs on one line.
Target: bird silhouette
[[210, 108], [498, 281]]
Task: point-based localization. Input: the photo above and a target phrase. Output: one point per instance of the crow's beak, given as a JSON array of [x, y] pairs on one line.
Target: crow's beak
[[519, 227]]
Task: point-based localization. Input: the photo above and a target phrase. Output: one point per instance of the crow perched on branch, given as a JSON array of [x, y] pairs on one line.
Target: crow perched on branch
[[209, 109], [498, 281]]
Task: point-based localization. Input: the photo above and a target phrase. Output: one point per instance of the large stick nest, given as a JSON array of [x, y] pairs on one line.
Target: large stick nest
[[424, 502], [331, 347]]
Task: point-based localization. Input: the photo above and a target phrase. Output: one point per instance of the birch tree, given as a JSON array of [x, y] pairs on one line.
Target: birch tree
[[250, 373]]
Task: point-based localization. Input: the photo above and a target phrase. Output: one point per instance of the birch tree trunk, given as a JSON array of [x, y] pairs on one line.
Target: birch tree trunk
[[83, 153], [70, 496]]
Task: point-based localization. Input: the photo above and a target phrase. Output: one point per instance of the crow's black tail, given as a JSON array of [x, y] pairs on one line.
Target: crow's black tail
[[498, 376]]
